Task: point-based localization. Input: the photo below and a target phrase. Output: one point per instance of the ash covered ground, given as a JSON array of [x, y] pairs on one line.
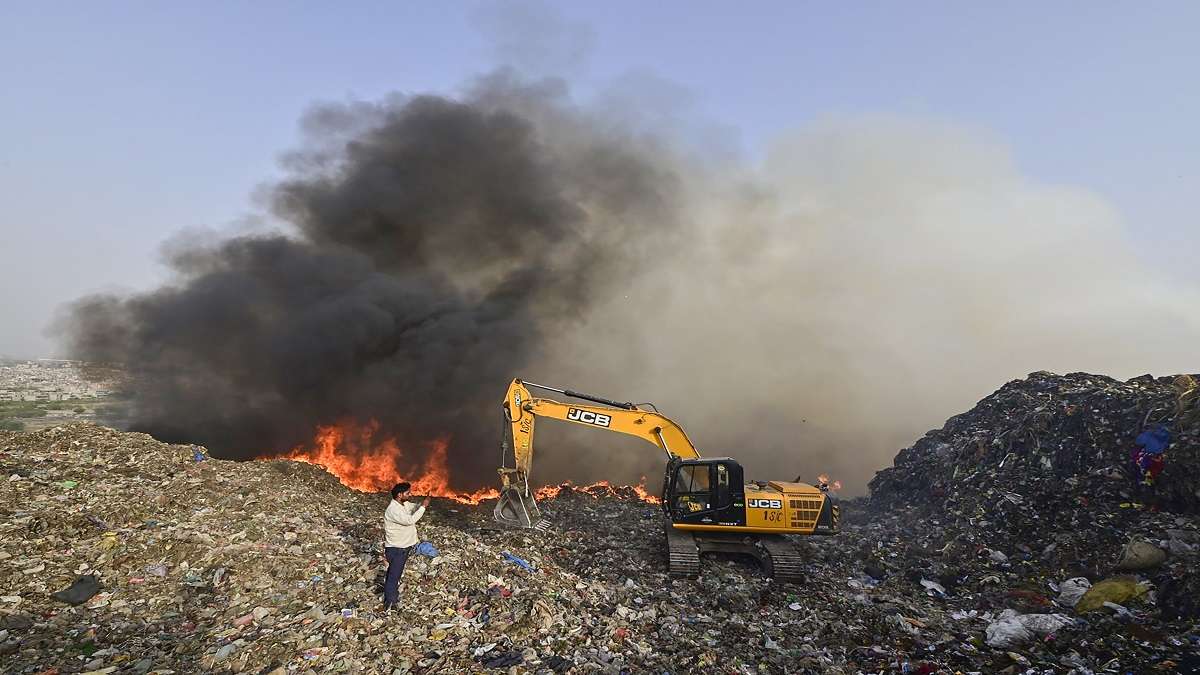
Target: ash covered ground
[[1023, 536]]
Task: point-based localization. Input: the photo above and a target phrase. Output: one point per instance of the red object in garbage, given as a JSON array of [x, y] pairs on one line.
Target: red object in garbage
[[1148, 464]]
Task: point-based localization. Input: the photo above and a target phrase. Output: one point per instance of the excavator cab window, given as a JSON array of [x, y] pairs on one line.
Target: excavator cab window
[[724, 496], [693, 488], [693, 478]]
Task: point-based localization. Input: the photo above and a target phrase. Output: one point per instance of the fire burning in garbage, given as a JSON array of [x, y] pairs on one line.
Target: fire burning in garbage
[[600, 489], [362, 462], [823, 482]]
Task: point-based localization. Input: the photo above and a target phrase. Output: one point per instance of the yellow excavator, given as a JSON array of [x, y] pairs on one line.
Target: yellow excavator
[[708, 506]]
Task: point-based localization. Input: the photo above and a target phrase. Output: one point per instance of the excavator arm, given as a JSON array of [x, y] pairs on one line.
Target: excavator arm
[[521, 410]]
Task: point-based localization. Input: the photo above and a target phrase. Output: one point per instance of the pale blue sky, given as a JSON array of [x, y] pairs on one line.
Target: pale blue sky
[[124, 122]]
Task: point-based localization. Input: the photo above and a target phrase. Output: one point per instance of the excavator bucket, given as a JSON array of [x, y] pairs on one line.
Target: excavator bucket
[[517, 508]]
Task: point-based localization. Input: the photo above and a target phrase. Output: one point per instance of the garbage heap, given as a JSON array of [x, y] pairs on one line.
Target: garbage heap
[[1016, 539], [1069, 499], [121, 554]]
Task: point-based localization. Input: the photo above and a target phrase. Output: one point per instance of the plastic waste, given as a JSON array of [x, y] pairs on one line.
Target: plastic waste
[[1012, 628], [1141, 555], [80, 591], [934, 588], [1072, 590], [1183, 542], [1154, 440], [521, 562], [1116, 589]]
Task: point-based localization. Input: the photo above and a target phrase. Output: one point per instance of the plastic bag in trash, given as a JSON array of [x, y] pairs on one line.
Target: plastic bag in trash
[[1072, 590], [78, 592], [517, 561], [934, 588], [1141, 555], [1011, 628]]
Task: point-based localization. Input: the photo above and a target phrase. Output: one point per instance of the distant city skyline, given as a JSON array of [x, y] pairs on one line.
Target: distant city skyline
[[129, 122]]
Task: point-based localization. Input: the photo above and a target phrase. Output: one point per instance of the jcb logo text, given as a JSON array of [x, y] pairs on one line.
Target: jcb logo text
[[588, 417], [765, 504]]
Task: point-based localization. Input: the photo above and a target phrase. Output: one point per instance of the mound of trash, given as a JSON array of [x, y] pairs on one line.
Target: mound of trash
[[1071, 466], [1077, 492], [1059, 434], [121, 554]]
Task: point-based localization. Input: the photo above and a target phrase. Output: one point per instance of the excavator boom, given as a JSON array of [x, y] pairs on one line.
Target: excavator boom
[[516, 505]]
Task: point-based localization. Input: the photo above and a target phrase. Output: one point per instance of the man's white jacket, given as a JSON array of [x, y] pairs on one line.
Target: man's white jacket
[[400, 524]]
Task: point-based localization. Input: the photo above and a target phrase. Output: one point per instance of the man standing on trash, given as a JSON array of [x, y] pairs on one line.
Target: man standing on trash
[[399, 538]]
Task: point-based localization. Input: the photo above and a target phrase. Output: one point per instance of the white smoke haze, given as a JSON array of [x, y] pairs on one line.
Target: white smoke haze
[[868, 279]]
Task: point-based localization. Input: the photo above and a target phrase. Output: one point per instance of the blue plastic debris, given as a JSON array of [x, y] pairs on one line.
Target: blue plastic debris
[[1155, 440], [518, 561]]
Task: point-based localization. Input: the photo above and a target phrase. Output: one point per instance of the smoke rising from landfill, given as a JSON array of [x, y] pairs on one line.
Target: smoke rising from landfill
[[812, 312], [440, 244]]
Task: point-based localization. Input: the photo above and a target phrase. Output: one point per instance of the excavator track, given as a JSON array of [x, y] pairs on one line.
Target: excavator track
[[787, 562], [778, 557], [683, 556]]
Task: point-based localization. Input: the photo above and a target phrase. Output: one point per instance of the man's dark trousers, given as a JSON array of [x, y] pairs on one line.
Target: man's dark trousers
[[396, 558]]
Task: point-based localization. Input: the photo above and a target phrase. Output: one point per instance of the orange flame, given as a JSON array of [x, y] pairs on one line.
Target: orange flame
[[640, 491], [601, 488], [361, 462], [823, 479]]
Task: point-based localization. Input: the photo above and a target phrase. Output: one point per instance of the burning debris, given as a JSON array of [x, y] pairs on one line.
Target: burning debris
[[362, 461], [599, 490], [824, 483]]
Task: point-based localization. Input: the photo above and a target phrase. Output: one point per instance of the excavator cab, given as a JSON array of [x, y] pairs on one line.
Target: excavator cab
[[705, 491]]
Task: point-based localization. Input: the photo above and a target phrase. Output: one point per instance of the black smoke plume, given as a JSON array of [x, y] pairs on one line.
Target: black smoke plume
[[438, 244]]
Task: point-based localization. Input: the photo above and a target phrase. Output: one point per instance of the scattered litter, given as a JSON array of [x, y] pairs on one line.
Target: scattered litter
[[991, 511]]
